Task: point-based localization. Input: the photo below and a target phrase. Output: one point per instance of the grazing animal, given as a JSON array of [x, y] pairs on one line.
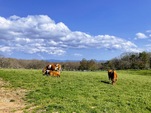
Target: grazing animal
[[52, 67], [112, 75]]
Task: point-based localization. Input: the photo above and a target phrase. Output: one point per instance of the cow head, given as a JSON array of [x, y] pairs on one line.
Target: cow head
[[58, 67], [45, 71]]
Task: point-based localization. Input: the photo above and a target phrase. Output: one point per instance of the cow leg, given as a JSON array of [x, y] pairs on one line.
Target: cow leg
[[113, 82]]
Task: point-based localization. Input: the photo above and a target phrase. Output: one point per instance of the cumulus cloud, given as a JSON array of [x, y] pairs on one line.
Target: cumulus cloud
[[40, 34], [140, 36], [5, 49]]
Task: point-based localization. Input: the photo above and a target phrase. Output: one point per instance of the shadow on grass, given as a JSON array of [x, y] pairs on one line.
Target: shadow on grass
[[105, 82]]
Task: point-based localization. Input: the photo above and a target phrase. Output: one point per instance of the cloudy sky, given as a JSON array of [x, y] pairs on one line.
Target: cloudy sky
[[74, 29]]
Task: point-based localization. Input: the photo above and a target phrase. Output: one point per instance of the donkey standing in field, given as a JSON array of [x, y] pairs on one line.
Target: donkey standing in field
[[112, 75]]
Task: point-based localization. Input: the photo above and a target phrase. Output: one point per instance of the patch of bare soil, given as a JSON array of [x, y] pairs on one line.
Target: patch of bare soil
[[11, 100]]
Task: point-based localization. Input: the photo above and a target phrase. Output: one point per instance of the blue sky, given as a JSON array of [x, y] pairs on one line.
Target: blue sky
[[74, 29]]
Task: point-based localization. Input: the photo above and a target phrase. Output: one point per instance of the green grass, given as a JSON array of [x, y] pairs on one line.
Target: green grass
[[83, 92]]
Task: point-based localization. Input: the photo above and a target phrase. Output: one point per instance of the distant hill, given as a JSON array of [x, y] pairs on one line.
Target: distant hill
[[54, 60]]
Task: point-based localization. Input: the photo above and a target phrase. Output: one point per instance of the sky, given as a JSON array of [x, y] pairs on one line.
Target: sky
[[74, 29]]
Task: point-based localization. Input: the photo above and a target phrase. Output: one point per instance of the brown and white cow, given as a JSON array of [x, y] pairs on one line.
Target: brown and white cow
[[51, 67], [54, 67], [112, 75], [53, 73]]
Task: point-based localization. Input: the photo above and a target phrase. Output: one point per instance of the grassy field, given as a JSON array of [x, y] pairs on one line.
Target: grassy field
[[83, 92]]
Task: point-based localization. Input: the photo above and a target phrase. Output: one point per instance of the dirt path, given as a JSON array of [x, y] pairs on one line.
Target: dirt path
[[11, 101]]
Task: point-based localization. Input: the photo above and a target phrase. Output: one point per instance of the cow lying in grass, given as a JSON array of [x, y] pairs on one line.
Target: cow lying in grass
[[52, 73], [52, 67], [52, 70], [112, 75], [55, 73]]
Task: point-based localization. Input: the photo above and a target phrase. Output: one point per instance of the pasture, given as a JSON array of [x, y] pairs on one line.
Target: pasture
[[82, 92]]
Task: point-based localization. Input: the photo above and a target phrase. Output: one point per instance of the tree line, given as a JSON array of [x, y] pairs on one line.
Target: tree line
[[20, 63], [131, 61], [125, 61]]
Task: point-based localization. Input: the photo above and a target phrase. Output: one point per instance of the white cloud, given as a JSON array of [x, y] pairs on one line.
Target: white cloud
[[148, 31], [39, 33], [5, 49], [140, 36]]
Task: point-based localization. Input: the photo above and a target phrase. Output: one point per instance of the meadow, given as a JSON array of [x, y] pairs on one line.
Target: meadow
[[82, 92]]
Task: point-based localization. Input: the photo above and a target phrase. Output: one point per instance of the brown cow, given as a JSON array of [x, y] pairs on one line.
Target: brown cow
[[55, 73], [52, 67], [112, 75]]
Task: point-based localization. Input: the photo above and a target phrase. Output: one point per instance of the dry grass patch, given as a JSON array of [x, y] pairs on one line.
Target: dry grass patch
[[11, 100]]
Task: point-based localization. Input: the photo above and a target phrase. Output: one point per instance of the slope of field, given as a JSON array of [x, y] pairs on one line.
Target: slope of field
[[82, 92]]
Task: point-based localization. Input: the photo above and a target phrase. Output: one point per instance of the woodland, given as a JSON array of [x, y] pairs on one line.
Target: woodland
[[124, 61]]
